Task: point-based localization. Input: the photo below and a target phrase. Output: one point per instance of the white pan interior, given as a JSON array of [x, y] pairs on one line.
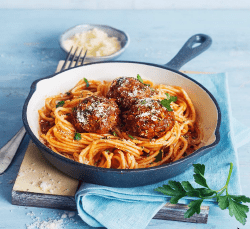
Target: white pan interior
[[207, 113]]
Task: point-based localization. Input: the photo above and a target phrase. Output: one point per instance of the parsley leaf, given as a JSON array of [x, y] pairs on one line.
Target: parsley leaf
[[223, 202], [115, 134], [77, 136], [86, 81], [173, 189], [187, 186], [199, 178], [166, 102], [131, 136], [240, 199], [199, 169], [238, 210], [159, 156], [60, 104], [139, 78], [178, 190], [194, 207]]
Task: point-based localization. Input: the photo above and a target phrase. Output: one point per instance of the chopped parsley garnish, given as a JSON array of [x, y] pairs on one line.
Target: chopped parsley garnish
[[178, 190], [115, 134], [139, 78], [159, 156], [60, 104], [131, 136], [166, 102], [77, 136], [86, 81]]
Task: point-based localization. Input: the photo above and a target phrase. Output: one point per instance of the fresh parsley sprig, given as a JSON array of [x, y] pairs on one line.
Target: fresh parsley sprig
[[166, 102], [178, 190]]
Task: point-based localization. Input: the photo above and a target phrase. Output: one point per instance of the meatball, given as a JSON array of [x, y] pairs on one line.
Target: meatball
[[148, 118], [127, 90], [96, 114]]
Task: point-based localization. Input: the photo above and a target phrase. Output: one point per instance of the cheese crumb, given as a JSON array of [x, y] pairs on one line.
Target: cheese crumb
[[64, 215], [44, 186], [71, 214]]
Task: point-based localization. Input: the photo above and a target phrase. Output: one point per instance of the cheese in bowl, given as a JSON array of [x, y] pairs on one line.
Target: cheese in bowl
[[96, 41], [102, 42]]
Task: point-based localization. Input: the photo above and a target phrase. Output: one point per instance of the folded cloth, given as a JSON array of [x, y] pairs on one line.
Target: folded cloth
[[128, 208]]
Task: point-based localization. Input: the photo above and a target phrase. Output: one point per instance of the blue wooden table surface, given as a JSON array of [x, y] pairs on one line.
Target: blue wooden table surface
[[29, 50]]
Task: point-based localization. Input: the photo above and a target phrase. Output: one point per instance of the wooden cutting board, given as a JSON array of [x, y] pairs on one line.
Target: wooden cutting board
[[39, 184]]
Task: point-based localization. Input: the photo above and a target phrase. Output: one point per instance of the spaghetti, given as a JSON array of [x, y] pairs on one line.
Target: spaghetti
[[118, 149]]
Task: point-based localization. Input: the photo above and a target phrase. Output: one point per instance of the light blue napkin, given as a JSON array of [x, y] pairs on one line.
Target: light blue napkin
[[133, 208]]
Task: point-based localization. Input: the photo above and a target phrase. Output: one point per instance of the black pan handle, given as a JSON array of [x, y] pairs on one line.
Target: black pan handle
[[190, 50]]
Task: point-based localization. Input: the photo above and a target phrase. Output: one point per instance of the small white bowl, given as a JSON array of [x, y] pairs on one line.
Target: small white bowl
[[122, 37]]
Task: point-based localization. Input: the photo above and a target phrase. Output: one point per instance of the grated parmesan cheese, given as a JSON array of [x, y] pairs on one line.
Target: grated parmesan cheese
[[64, 215], [96, 41], [58, 222]]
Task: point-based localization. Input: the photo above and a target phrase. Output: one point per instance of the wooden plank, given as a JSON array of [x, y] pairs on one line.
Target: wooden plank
[[175, 212], [43, 200]]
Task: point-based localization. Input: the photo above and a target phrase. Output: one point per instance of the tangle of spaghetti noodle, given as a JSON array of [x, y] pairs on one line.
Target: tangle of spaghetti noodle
[[120, 151]]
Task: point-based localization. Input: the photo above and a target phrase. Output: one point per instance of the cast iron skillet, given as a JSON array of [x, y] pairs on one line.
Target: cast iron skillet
[[121, 177]]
